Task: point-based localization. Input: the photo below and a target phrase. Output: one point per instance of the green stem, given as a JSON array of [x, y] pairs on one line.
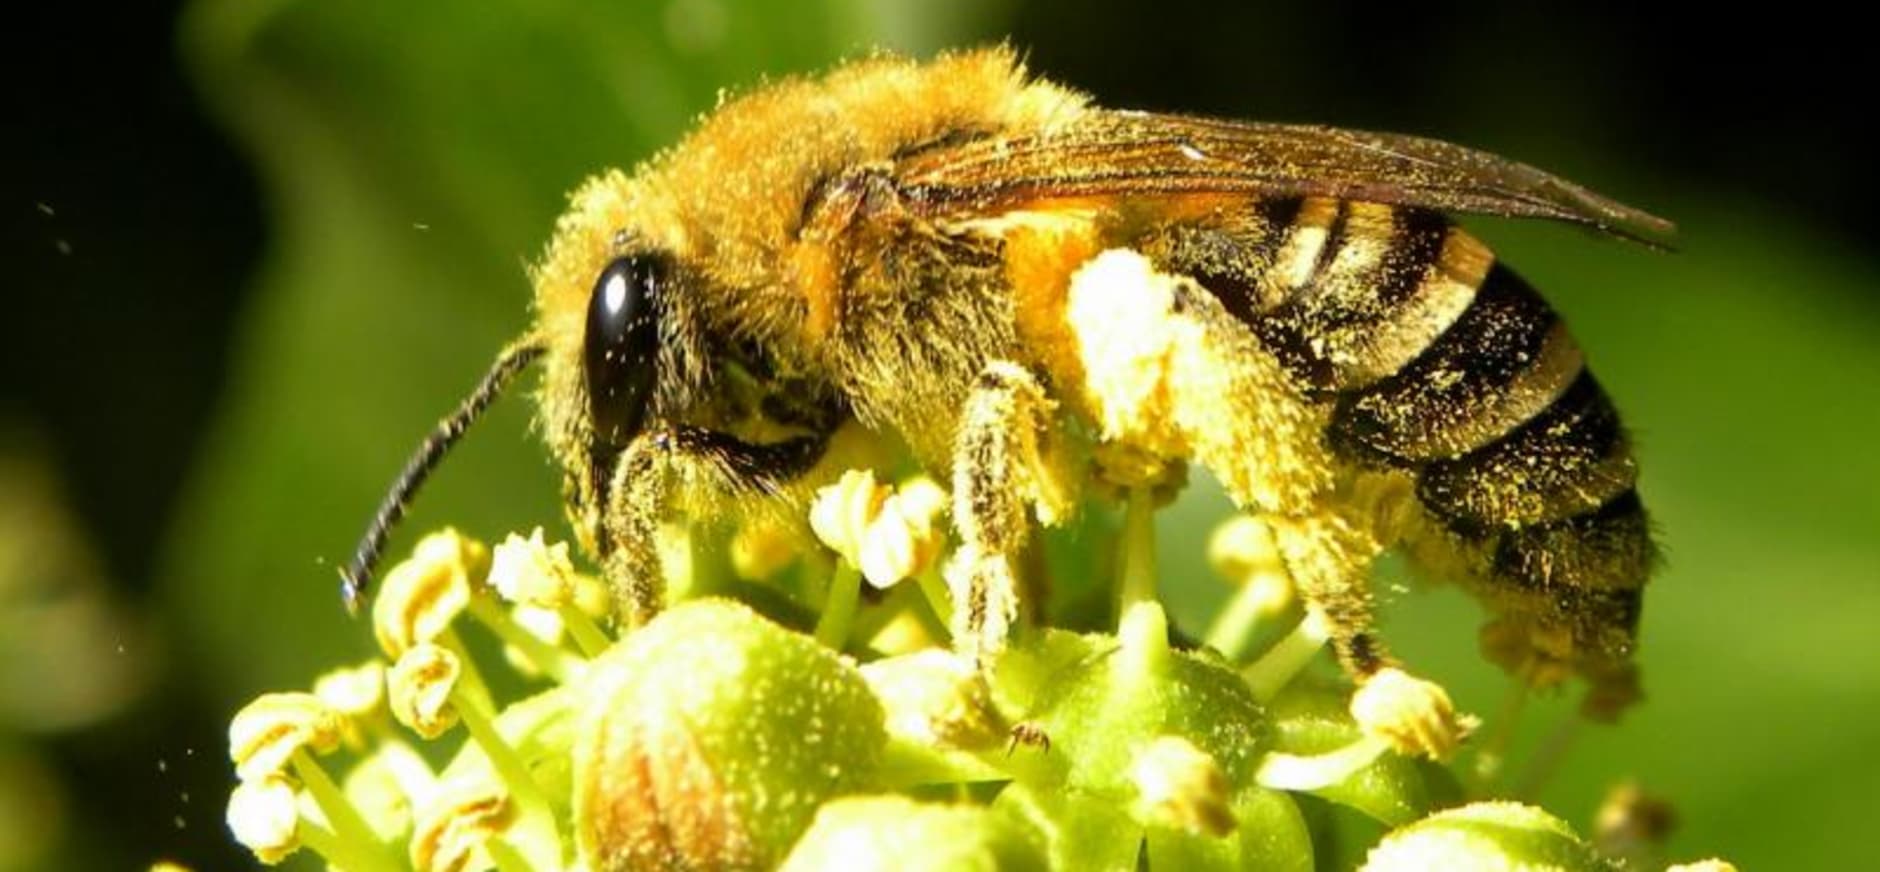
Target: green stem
[[552, 661], [1233, 629], [470, 683], [1494, 746], [845, 590], [1143, 635], [587, 635], [934, 588], [1138, 581], [330, 846], [1277, 667], [535, 819], [898, 601], [1545, 762], [1281, 771], [352, 837], [506, 857]]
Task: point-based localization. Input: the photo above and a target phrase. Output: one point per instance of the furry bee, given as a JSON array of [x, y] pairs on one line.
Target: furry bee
[[1033, 294]]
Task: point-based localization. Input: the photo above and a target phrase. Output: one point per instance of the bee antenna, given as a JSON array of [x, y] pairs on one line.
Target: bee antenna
[[357, 576]]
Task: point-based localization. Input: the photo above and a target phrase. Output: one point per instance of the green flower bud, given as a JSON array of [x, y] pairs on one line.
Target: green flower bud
[[861, 834], [1180, 786], [419, 597], [935, 698], [1487, 835], [1311, 719], [709, 737], [264, 815], [264, 736], [1101, 712], [1080, 830]]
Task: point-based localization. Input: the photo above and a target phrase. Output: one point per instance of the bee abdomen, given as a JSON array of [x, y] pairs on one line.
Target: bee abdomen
[[1513, 445], [1443, 363], [1356, 291], [1606, 548], [1570, 459], [1503, 361]]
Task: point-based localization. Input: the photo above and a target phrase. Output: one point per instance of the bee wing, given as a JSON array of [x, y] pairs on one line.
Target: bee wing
[[1140, 153]]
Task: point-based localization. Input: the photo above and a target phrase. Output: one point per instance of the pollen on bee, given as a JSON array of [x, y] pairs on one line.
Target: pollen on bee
[[1119, 309], [1164, 371]]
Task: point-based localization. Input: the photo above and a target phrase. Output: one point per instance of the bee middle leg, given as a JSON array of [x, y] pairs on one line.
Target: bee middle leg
[[659, 466], [1003, 471]]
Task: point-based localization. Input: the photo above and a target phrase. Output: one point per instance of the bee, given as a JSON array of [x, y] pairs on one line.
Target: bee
[[1033, 294]]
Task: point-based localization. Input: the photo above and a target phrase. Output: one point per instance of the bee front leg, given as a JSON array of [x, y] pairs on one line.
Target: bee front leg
[[652, 476], [639, 497], [1001, 474]]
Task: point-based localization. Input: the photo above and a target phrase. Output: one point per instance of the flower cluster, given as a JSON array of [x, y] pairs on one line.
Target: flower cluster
[[828, 724]]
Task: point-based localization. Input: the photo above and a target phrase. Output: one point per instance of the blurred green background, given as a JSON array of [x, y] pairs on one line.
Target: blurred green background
[[263, 244]]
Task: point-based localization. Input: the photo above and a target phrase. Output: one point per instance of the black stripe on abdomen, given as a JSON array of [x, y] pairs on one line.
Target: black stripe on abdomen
[[1373, 274], [1608, 548], [1570, 459], [1513, 445], [1501, 363]]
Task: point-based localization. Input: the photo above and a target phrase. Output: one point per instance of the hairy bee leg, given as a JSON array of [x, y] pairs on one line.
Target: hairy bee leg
[[1329, 555], [640, 493], [1329, 560], [1000, 473], [655, 469]]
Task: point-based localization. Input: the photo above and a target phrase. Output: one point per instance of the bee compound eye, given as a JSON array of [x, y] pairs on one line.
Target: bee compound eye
[[622, 345]]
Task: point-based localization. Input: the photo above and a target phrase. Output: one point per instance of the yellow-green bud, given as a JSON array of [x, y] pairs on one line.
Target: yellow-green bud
[[264, 815], [532, 572], [1181, 785], [422, 595], [1413, 714], [708, 738], [1487, 835], [421, 684], [264, 735], [842, 512], [355, 692], [450, 833], [935, 698], [1241, 546], [897, 834]]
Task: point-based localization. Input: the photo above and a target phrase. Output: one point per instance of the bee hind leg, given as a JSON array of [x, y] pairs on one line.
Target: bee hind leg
[[1329, 557], [1002, 473]]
